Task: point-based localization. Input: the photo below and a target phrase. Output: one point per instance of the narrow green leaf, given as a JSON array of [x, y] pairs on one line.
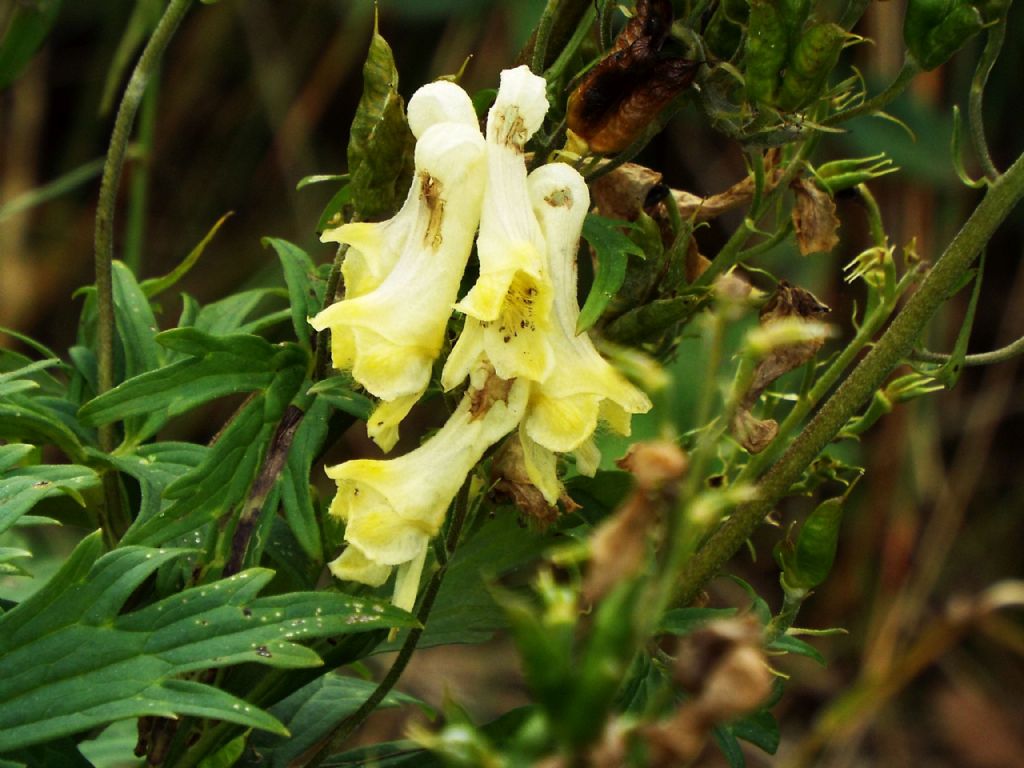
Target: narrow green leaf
[[310, 713], [154, 286], [340, 393], [729, 746], [37, 420], [332, 212], [795, 645], [228, 315], [217, 366], [761, 729], [28, 27], [683, 621], [144, 18], [380, 143], [21, 489], [305, 293], [296, 498], [612, 249], [12, 453], [319, 178], [156, 466], [70, 662]]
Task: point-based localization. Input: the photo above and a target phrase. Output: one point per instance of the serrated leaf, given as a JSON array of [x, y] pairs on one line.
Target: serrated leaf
[[157, 285], [790, 644], [339, 392], [380, 143], [29, 25], [21, 489], [218, 366], [296, 498], [69, 662], [309, 714], [305, 295], [611, 249]]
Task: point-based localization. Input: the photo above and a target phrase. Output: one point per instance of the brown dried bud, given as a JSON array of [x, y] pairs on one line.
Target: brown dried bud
[[788, 302], [653, 464], [723, 667], [814, 217], [627, 89], [619, 545], [510, 482], [624, 192]]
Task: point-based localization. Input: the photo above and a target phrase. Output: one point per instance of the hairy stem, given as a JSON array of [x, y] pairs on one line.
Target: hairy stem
[[891, 349], [975, 116]]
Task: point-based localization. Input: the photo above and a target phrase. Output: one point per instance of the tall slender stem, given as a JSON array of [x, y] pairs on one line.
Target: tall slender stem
[[104, 241], [892, 348], [975, 105]]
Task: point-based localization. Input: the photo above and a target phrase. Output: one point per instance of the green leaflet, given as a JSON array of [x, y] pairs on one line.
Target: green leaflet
[[69, 662], [155, 466], [339, 392], [296, 498], [612, 249], [154, 286], [21, 489], [380, 144], [309, 714], [26, 31], [305, 292], [216, 366], [40, 421]]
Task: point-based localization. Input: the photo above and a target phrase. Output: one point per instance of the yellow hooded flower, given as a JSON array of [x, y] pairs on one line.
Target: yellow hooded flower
[[582, 387], [507, 309], [402, 275], [392, 508]]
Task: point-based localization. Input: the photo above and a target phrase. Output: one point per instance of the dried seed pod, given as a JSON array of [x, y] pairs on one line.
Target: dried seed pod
[[627, 89]]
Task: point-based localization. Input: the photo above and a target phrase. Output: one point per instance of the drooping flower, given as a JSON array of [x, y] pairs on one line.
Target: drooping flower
[[392, 508], [402, 275], [582, 388], [507, 309]]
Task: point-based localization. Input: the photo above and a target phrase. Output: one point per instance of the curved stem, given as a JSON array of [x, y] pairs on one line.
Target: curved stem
[[104, 240], [1001, 355], [890, 350], [975, 105]]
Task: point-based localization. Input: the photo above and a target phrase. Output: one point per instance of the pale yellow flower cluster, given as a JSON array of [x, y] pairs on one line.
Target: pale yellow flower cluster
[[519, 349]]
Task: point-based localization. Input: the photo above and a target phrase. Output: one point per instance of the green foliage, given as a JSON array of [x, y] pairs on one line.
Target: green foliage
[[27, 28], [69, 662], [611, 254]]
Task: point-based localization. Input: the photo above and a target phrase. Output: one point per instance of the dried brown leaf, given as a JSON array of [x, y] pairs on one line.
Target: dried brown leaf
[[814, 218]]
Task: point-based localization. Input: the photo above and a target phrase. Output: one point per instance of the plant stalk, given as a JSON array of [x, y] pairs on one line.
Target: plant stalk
[[894, 346]]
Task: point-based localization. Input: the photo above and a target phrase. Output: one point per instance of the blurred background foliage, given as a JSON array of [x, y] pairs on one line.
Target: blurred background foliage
[[254, 95]]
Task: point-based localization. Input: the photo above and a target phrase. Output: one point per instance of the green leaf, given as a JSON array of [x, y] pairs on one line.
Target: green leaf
[[21, 489], [136, 324], [141, 23], [310, 713], [761, 729], [305, 293], [332, 212], [790, 644], [380, 143], [319, 178], [683, 621], [221, 481], [13, 453], [156, 466], [229, 314], [612, 249], [296, 498], [114, 747], [40, 421], [154, 286], [69, 662], [339, 392], [647, 322], [29, 25], [729, 746], [218, 366]]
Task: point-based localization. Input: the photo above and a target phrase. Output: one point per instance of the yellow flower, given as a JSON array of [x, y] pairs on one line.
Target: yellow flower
[[402, 275], [507, 309], [583, 387], [392, 508]]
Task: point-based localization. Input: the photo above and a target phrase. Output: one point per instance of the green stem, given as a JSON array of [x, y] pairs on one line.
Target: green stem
[[135, 229], [540, 42], [104, 237], [907, 73], [566, 16], [1001, 355], [891, 349], [975, 105], [781, 623], [349, 725]]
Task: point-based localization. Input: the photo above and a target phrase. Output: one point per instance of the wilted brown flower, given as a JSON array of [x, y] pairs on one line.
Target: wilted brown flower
[[814, 217], [627, 89]]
